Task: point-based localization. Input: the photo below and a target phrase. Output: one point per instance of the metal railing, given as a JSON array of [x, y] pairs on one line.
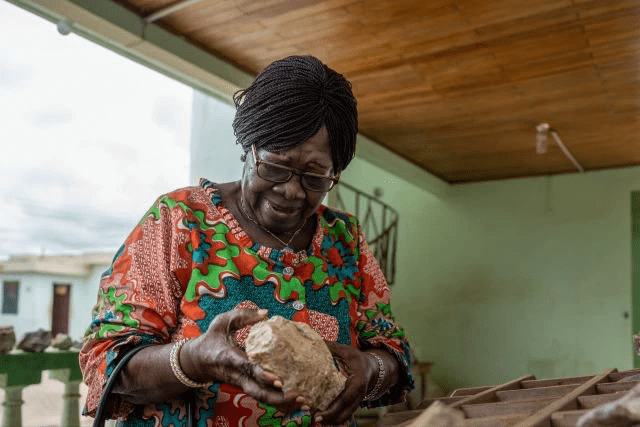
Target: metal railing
[[378, 220]]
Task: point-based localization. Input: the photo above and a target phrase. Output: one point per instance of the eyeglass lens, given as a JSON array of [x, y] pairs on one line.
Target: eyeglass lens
[[275, 173]]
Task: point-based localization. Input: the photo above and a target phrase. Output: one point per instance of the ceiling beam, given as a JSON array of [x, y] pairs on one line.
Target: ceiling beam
[[119, 29], [166, 11]]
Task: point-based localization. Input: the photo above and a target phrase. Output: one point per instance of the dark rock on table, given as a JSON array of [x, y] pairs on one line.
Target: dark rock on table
[[7, 339], [35, 342]]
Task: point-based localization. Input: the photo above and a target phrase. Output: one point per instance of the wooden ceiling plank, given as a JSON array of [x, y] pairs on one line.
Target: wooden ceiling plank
[[300, 11], [454, 84], [193, 22], [547, 21], [321, 24], [480, 12], [550, 65], [541, 45], [602, 9]]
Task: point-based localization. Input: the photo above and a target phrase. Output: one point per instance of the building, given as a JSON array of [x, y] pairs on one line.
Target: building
[[50, 292]]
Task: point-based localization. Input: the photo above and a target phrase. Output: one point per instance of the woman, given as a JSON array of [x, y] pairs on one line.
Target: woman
[[207, 262]]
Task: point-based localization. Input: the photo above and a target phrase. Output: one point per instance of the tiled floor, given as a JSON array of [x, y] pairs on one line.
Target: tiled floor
[[43, 404]]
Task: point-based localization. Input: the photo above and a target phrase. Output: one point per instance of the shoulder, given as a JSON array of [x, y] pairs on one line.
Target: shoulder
[[336, 220], [185, 200], [184, 196]]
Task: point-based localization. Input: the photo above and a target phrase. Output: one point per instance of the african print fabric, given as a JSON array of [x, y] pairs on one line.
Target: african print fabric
[[188, 260]]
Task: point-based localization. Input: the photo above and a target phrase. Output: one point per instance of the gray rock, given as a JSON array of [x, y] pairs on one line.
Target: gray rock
[[624, 412], [7, 339], [62, 342], [35, 342], [298, 356]]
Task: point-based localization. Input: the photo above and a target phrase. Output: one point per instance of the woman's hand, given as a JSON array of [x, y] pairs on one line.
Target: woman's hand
[[214, 356], [362, 372]]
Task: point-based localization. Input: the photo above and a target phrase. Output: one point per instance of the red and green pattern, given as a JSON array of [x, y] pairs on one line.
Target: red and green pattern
[[188, 260]]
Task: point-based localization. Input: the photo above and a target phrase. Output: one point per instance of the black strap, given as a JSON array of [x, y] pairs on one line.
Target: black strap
[[101, 416]]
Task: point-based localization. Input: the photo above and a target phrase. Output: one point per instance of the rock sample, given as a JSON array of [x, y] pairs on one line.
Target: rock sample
[[438, 415], [298, 356], [35, 342], [7, 339], [62, 342], [624, 412]]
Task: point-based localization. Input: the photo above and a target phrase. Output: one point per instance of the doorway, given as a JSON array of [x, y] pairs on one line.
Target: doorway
[[60, 312]]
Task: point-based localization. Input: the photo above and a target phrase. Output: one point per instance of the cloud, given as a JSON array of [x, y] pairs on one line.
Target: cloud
[[14, 76], [51, 116], [88, 142]]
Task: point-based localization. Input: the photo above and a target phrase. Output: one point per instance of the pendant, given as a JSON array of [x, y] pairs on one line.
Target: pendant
[[298, 305]]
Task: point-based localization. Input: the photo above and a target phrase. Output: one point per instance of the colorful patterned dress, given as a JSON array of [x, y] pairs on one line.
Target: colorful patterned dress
[[188, 260]]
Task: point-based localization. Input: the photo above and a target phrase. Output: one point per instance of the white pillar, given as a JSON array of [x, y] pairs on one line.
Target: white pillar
[[71, 405], [12, 413], [214, 152]]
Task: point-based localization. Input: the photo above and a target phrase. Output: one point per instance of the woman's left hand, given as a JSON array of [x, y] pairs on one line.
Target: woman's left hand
[[360, 371]]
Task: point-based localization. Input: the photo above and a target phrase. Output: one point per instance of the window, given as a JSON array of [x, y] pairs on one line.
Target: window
[[10, 297]]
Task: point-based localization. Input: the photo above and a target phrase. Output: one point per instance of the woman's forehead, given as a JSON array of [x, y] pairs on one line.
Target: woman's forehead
[[316, 148]]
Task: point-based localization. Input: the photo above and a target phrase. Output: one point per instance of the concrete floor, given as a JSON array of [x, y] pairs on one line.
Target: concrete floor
[[43, 404]]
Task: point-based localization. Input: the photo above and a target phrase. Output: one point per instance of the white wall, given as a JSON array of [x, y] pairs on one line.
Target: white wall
[[35, 301], [523, 276]]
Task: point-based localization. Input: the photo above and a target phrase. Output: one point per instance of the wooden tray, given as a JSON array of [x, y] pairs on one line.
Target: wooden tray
[[529, 402]]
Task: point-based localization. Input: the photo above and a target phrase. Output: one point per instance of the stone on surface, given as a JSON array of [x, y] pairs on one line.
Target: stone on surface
[[624, 412], [298, 356], [35, 342], [7, 339], [62, 342], [438, 415]]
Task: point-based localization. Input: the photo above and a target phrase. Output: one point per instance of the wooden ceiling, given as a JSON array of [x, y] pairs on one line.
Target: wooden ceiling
[[455, 86]]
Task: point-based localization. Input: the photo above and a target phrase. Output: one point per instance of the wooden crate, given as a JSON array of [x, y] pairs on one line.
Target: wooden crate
[[529, 402]]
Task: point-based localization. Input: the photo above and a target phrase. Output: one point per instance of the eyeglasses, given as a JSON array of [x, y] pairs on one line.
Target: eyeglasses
[[278, 173]]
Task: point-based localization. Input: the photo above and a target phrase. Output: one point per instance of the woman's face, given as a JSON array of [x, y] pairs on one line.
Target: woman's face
[[282, 207]]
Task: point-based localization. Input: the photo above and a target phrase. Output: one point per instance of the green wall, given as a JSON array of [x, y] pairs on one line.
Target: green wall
[[506, 278]]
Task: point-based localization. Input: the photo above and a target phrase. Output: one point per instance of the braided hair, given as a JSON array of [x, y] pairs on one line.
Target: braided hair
[[289, 101]]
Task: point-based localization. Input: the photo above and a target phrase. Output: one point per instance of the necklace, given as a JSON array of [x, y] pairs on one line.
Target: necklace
[[287, 245]]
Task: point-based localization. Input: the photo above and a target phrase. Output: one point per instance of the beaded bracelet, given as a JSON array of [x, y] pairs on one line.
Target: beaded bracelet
[[174, 361], [381, 374]]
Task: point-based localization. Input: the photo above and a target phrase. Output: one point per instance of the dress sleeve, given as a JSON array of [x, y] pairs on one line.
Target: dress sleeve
[[138, 299], [377, 327]]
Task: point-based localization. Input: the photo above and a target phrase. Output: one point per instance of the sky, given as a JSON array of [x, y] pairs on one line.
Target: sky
[[88, 139]]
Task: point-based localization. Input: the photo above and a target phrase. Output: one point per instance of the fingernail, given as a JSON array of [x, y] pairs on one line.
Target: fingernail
[[277, 383], [263, 312], [318, 419], [305, 407], [300, 399]]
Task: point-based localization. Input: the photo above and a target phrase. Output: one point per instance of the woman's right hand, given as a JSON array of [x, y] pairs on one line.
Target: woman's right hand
[[214, 356]]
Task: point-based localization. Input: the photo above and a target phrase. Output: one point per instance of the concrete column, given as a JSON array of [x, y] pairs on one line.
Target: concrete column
[[71, 405], [12, 413], [214, 152]]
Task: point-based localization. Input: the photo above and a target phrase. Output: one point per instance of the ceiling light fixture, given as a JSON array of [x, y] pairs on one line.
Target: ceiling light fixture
[[542, 135]]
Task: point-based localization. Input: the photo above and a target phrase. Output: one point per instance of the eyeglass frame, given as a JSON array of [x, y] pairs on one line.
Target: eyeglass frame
[[334, 178]]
